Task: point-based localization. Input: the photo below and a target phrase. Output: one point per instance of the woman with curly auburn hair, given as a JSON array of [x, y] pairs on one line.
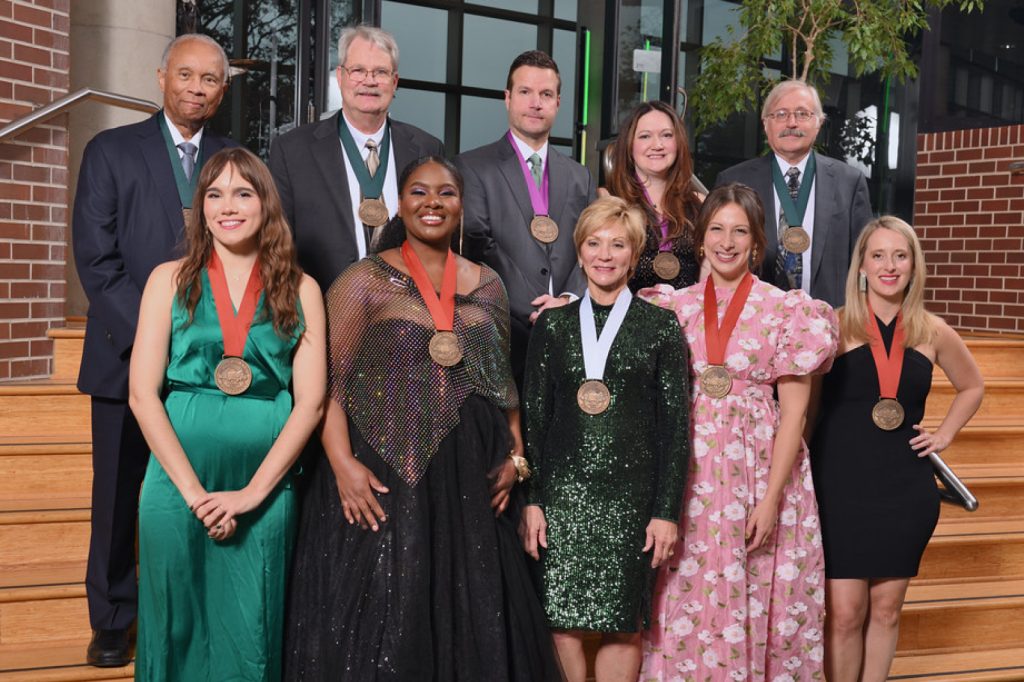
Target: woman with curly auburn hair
[[222, 334]]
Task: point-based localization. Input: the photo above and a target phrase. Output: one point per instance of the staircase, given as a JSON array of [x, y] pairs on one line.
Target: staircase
[[963, 621]]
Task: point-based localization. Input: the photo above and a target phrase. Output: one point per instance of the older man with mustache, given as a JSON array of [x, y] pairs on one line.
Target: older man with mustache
[[815, 206]]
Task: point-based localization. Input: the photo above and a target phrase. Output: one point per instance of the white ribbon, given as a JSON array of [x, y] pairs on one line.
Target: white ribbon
[[595, 349]]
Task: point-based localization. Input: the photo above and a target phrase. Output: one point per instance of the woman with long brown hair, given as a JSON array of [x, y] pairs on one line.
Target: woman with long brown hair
[[222, 334], [652, 169]]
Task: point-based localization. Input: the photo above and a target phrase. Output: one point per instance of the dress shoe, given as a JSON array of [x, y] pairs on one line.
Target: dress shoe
[[109, 649]]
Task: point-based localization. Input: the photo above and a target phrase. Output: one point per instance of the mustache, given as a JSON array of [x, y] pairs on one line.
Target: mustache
[[792, 132]]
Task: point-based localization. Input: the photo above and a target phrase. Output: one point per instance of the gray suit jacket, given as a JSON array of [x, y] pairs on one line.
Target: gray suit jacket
[[497, 229], [842, 208], [310, 175]]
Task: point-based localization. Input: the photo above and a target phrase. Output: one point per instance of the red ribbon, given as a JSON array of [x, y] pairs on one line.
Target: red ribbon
[[717, 337], [234, 327], [442, 310], [889, 367]]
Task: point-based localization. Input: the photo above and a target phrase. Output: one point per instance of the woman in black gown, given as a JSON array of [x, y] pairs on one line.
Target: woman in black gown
[[876, 492], [406, 566]]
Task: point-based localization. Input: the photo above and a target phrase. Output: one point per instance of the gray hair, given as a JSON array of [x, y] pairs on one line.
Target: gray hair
[[201, 38], [373, 35], [783, 89]]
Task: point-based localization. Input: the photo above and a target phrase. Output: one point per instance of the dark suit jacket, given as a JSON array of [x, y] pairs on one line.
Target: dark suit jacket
[[497, 228], [842, 208], [309, 171], [127, 220]]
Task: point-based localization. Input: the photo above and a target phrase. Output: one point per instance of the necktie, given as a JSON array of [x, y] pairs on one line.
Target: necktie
[[536, 169], [372, 159], [790, 263], [188, 161]]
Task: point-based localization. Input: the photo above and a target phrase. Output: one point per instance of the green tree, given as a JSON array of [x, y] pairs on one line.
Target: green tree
[[875, 33]]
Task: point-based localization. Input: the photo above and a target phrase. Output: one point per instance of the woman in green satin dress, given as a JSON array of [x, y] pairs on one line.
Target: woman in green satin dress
[[217, 512]]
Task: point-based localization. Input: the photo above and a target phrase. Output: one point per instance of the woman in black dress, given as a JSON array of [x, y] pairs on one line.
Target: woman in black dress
[[652, 169], [406, 566], [877, 495]]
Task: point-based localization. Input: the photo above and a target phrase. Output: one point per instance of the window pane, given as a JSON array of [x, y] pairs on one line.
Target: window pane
[[421, 108], [483, 121], [564, 49], [418, 58], [565, 9], [489, 46], [515, 5]]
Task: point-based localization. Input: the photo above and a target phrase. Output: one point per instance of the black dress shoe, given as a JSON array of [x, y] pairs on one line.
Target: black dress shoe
[[109, 649]]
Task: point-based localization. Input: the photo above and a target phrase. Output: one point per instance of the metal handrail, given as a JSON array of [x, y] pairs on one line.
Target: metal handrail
[[59, 106]]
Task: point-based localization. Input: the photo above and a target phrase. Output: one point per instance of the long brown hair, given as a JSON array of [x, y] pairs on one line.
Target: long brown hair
[[679, 201], [279, 270], [918, 324], [747, 199]]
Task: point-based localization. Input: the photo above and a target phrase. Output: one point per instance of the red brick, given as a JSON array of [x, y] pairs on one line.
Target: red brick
[[47, 233], [26, 173], [982, 167], [980, 193], [13, 349], [1008, 218], [972, 322], [49, 195], [47, 271], [998, 152], [961, 308], [14, 231], [991, 257], [26, 290], [28, 93], [12, 191], [996, 180], [954, 269], [30, 368], [47, 309], [953, 169], [28, 212], [1013, 310], [951, 219], [12, 271], [941, 182], [57, 252], [942, 157], [32, 55], [1007, 244], [978, 244], [61, 61], [28, 330], [1003, 323], [9, 112], [13, 310], [994, 205], [1003, 296], [55, 157], [57, 290], [1005, 270], [30, 251], [16, 72], [41, 349], [978, 218], [1001, 192], [925, 195], [968, 181], [968, 154], [992, 232], [61, 23], [955, 194], [965, 206], [50, 78], [946, 294], [928, 170], [31, 15]]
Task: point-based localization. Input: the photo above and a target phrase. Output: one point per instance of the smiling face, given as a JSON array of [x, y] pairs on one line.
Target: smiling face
[[606, 255], [888, 265], [728, 242], [372, 95], [532, 103], [654, 145], [790, 137], [193, 84], [233, 210], [430, 205]]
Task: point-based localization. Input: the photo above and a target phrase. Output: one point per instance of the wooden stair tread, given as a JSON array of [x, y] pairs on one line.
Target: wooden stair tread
[[77, 673], [38, 387], [67, 574], [41, 592], [58, 655], [45, 444], [988, 591], [45, 509], [981, 530], [992, 665], [982, 473]]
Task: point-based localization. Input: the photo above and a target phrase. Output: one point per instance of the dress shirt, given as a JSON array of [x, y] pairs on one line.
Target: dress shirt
[[390, 179], [808, 224]]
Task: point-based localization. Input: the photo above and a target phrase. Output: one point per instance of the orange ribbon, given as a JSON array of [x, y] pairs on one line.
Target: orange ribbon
[[442, 310], [234, 327], [717, 337]]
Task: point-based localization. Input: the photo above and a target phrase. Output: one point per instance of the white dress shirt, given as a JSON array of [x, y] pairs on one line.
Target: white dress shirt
[[390, 179]]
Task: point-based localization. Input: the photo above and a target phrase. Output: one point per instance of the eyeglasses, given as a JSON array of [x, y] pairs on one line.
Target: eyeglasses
[[360, 74], [801, 115]]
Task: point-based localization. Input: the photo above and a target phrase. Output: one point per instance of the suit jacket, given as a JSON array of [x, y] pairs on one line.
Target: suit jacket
[[497, 229], [842, 208], [309, 171], [127, 220]]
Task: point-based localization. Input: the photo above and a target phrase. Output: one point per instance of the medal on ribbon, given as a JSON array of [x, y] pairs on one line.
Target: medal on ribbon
[[233, 375], [887, 413], [593, 395], [542, 227], [444, 345], [794, 237], [666, 264], [373, 212], [715, 380]]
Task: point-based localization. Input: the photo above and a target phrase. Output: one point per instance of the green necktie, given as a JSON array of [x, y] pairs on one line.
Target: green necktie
[[536, 169]]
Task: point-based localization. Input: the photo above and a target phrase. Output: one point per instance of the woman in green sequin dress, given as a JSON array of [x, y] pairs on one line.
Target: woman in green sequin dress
[[217, 511], [606, 489]]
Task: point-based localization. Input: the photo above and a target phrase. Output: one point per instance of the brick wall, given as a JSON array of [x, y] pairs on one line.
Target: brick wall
[[34, 64], [969, 213]]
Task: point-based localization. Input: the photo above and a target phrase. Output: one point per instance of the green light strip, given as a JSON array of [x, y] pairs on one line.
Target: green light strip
[[586, 76], [643, 94]]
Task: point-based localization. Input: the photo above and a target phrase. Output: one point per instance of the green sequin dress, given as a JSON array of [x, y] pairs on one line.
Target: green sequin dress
[[602, 478], [215, 610]]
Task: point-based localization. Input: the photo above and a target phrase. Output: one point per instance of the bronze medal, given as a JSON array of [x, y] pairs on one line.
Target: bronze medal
[[795, 239], [232, 375], [887, 414], [593, 396], [543, 229], [666, 265], [373, 212], [715, 381], [186, 213], [444, 349]]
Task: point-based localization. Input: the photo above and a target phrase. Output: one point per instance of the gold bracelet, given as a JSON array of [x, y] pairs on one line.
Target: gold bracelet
[[521, 465]]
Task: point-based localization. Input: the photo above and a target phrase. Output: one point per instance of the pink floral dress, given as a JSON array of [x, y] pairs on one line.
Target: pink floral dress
[[719, 613]]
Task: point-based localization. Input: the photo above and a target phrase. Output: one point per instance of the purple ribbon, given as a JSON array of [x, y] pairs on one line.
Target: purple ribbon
[[666, 243], [538, 197]]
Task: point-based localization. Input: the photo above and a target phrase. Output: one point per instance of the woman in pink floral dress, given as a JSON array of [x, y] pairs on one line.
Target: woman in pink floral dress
[[743, 595]]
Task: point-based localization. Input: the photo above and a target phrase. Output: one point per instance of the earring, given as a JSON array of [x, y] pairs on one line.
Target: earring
[[862, 282], [753, 255], [700, 252]]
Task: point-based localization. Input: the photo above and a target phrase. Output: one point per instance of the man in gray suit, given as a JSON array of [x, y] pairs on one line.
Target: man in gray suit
[[333, 174], [522, 201], [814, 205]]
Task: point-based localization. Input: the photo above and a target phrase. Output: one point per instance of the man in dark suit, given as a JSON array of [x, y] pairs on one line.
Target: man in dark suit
[[831, 211], [134, 184], [323, 178], [538, 266]]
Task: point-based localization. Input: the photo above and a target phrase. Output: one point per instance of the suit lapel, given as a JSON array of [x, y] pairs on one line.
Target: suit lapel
[[508, 164], [825, 205], [326, 152], [406, 150], [766, 188], [154, 152]]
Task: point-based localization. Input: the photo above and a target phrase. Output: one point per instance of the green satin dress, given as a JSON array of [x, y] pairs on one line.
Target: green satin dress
[[213, 611]]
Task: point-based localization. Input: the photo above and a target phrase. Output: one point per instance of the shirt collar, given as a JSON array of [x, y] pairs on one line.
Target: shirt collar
[[527, 151], [359, 137], [786, 165], [176, 136]]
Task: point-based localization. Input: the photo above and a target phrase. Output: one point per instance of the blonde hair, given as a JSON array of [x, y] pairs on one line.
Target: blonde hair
[[613, 210], [918, 323]]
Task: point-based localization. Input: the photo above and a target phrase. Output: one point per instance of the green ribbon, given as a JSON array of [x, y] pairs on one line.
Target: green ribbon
[[186, 187], [370, 187], [794, 211]]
